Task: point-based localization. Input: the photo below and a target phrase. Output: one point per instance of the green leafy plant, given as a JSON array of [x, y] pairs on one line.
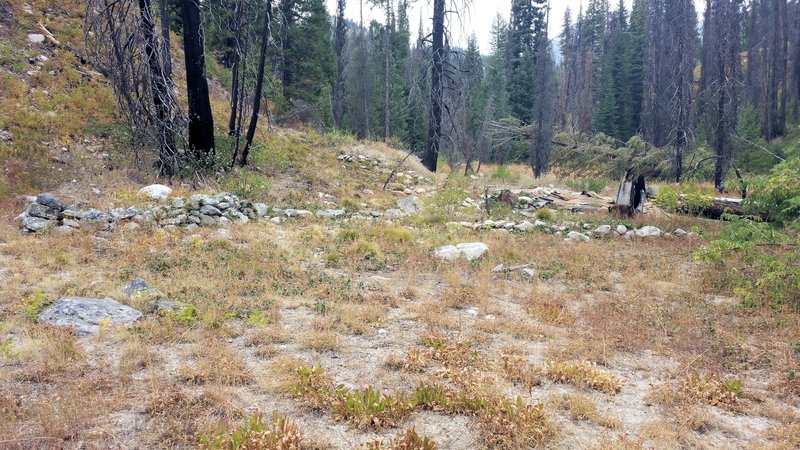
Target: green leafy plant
[[278, 434], [545, 214], [187, 315], [35, 303]]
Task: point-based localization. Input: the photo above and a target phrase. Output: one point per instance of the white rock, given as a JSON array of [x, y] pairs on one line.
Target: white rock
[[621, 229], [524, 226], [574, 236], [629, 234], [472, 312], [393, 214], [471, 251], [680, 232], [602, 229], [648, 231], [528, 273], [35, 38], [156, 191], [539, 223], [261, 209]]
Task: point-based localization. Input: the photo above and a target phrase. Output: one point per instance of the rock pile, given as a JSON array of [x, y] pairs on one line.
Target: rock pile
[[47, 212], [571, 235]]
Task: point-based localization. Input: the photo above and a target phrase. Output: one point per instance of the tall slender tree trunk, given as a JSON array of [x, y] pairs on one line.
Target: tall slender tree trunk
[[431, 155], [201, 121], [162, 98], [340, 40], [262, 61], [387, 37], [237, 58]]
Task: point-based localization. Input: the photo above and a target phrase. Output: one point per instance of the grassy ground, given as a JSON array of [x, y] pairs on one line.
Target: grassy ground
[[346, 335]]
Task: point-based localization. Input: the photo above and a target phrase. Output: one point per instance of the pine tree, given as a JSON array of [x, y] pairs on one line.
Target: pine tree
[[308, 69]]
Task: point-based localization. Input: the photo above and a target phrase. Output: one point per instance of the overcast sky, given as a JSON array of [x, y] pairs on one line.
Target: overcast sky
[[477, 19]]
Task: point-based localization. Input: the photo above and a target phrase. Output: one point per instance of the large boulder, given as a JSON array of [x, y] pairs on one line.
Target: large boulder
[[86, 314], [410, 205], [471, 251], [156, 191]]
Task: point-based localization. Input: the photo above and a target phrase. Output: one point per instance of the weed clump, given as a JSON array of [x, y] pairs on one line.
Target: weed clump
[[584, 374], [278, 434]]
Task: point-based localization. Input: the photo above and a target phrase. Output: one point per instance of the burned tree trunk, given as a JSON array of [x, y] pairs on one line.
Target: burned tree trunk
[[251, 129], [431, 155], [201, 122], [163, 100]]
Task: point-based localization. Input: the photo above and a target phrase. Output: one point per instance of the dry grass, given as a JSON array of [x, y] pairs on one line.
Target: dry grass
[[581, 407], [610, 316], [584, 374]]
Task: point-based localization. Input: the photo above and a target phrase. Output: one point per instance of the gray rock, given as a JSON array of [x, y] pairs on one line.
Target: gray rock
[[276, 220], [50, 200], [540, 224], [36, 224], [86, 314], [174, 221], [71, 212], [574, 236], [94, 215], [124, 214], [629, 235], [621, 230], [331, 213], [207, 221], [136, 288], [524, 226], [156, 191], [528, 273], [261, 209], [393, 214], [224, 222], [237, 216], [42, 211], [193, 220], [72, 223], [648, 231], [192, 227], [410, 205], [471, 251], [680, 232], [223, 205], [6, 136], [602, 230], [209, 210], [178, 203]]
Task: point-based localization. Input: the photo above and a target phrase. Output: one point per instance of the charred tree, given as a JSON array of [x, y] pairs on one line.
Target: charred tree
[[431, 155], [201, 121], [262, 61]]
